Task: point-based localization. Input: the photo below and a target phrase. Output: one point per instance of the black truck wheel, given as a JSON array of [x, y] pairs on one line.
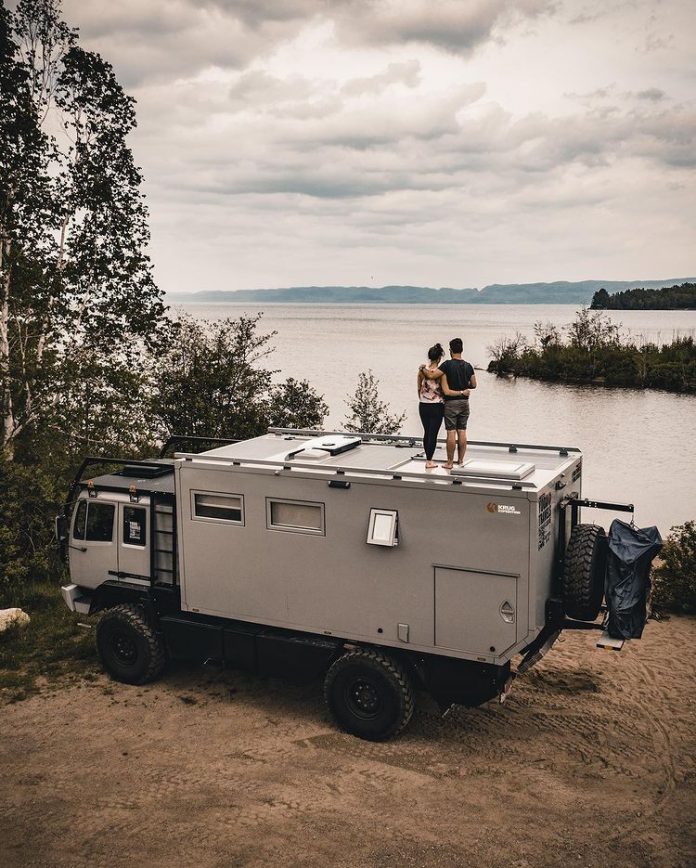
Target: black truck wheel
[[129, 647], [582, 583], [369, 694]]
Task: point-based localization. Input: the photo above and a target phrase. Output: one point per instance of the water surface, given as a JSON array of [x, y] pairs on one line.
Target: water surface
[[639, 445]]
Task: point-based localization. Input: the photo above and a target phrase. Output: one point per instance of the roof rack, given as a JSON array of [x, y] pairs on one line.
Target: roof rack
[[395, 473], [149, 466], [191, 438], [399, 439]]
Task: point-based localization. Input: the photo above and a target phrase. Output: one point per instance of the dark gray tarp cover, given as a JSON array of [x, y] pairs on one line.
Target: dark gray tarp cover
[[631, 550]]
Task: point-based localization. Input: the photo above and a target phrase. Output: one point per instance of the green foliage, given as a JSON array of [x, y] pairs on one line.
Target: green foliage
[[211, 382], [29, 498], [505, 351], [681, 297], [368, 414], [593, 352], [50, 647], [295, 404], [208, 382], [674, 581]]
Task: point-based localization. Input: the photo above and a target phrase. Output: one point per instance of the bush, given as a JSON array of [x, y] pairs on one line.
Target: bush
[[30, 497], [674, 581], [667, 376]]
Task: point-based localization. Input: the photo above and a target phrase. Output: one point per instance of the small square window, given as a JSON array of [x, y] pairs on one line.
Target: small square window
[[218, 507], [134, 526], [295, 515], [383, 529]]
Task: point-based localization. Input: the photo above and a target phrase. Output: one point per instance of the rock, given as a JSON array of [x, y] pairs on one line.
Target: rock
[[8, 617]]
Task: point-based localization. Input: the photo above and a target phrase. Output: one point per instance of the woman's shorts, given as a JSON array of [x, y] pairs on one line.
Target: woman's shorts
[[456, 414]]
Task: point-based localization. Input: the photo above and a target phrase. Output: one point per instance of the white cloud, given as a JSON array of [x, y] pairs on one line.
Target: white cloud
[[305, 141]]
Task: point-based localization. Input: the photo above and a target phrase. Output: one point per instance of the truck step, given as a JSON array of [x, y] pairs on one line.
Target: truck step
[[608, 642]]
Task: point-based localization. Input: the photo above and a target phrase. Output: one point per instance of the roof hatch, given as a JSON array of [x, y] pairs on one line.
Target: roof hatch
[[321, 447], [146, 471], [486, 469]]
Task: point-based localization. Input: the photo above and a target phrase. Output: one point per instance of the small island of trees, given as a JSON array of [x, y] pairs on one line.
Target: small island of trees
[[681, 297], [593, 351]]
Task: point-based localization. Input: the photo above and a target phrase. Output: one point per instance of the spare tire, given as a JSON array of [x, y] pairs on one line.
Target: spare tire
[[582, 582]]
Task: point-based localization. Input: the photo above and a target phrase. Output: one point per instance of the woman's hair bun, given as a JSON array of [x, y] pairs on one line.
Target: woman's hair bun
[[436, 352]]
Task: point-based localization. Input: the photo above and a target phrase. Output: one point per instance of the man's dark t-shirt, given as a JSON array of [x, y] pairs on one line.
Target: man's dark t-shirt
[[458, 373]]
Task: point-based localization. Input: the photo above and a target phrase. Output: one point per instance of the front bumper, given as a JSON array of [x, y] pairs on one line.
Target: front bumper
[[76, 600]]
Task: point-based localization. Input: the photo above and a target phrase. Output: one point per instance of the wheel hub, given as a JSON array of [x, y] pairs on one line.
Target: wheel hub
[[124, 648], [364, 698]]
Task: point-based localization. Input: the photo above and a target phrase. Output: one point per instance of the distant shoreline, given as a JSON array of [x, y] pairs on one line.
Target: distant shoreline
[[177, 301], [558, 292]]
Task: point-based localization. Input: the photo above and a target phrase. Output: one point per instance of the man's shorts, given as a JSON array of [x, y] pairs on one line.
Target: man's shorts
[[456, 414]]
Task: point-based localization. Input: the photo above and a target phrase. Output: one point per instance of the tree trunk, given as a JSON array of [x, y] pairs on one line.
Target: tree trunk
[[8, 420]]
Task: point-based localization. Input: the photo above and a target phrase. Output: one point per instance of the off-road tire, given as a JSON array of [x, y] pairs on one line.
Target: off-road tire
[[369, 694], [129, 647], [582, 583]]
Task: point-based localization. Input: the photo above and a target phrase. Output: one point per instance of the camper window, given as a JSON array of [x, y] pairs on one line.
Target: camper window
[[383, 529], [218, 507], [100, 522], [295, 515]]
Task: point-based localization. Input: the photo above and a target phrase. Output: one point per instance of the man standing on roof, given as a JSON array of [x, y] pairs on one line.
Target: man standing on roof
[[457, 378]]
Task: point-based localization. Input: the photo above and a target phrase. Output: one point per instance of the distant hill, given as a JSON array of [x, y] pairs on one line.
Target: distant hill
[[558, 292]]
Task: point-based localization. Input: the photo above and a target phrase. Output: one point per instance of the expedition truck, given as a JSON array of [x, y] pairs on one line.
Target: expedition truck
[[329, 554]]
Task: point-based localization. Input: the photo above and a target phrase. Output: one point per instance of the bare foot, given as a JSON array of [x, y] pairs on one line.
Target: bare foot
[[448, 466], [429, 465]]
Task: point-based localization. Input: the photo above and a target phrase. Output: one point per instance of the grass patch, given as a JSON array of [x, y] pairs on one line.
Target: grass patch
[[49, 650]]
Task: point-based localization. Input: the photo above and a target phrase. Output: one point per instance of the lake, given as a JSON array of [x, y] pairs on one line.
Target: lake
[[639, 445]]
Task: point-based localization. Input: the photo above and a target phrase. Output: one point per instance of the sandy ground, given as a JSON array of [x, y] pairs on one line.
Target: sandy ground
[[591, 761]]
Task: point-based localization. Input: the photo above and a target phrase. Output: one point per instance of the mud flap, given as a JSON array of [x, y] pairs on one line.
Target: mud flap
[[538, 649], [507, 687]]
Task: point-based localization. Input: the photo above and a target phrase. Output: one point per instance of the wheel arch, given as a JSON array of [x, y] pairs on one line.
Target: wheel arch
[[107, 596]]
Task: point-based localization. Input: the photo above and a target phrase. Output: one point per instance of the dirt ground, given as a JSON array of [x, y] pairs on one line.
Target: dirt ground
[[591, 761]]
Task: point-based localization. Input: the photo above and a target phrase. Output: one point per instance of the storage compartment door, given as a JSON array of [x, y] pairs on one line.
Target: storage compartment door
[[475, 612]]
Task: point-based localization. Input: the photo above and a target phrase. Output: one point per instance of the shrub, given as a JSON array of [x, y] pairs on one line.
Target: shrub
[[674, 581], [368, 413], [29, 499], [620, 369], [666, 376]]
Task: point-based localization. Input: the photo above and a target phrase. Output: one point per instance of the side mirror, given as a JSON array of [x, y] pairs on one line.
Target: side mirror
[[61, 528]]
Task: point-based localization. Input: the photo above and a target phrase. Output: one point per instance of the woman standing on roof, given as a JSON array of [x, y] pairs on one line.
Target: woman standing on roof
[[431, 404]]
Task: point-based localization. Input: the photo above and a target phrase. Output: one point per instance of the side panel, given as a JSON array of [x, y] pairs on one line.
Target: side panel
[[544, 538], [334, 583], [475, 612]]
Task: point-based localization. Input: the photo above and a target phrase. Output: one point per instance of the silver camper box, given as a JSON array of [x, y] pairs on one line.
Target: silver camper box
[[464, 565], [304, 550]]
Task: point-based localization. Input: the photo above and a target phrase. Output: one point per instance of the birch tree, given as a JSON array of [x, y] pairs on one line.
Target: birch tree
[[78, 303]]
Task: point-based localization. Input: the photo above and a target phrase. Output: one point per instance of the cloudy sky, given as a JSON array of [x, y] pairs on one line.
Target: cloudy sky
[[449, 143]]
